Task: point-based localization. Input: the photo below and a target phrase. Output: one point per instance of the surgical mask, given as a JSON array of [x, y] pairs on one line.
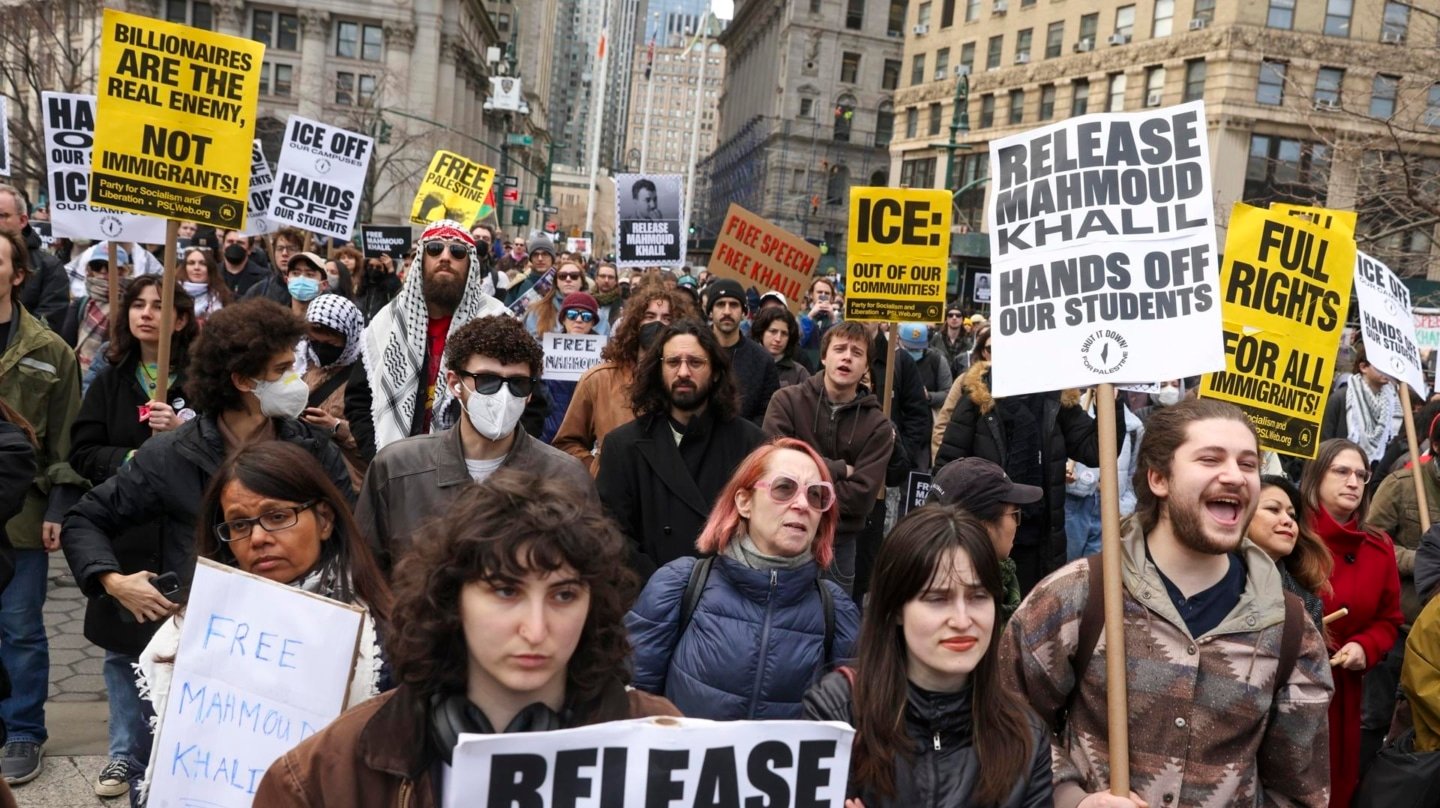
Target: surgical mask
[[327, 354], [495, 415], [1166, 397], [304, 289], [285, 397], [235, 253], [333, 279], [649, 332], [195, 288], [915, 354]]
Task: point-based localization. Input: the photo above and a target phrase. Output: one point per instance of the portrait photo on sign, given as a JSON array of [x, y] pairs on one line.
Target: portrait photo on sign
[[649, 209], [650, 198]]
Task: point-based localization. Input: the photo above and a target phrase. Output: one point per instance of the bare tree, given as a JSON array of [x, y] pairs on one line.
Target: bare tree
[[403, 147]]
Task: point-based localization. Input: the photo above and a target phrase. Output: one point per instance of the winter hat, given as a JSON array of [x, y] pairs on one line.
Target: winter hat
[[582, 301], [725, 287], [540, 243], [914, 336]]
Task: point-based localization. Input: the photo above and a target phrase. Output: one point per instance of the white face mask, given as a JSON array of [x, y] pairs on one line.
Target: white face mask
[[285, 397], [495, 415], [1167, 396]]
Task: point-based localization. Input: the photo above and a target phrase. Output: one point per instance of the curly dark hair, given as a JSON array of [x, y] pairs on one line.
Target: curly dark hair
[[500, 337], [766, 317], [624, 346], [648, 395], [242, 338], [124, 343], [512, 524]]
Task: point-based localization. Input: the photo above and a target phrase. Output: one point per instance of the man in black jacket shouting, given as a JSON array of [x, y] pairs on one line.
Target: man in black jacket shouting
[[754, 371]]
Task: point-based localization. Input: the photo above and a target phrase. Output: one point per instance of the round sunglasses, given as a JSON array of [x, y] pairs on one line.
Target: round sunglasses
[[784, 489]]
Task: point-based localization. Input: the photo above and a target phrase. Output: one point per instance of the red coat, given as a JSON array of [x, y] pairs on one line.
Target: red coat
[[1367, 582]]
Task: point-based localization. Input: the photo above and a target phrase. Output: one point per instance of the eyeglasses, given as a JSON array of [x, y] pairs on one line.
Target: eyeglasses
[[457, 250], [272, 521], [568, 276], [489, 383], [282, 247], [579, 314], [1344, 473], [692, 362], [783, 491]]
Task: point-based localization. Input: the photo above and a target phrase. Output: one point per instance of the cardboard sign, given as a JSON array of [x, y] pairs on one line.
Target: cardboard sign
[[4, 137], [320, 177], [662, 761], [454, 187], [1286, 284], [917, 490], [650, 231], [1102, 243], [379, 239], [69, 134], [757, 253], [568, 356], [261, 667], [262, 182], [1386, 323], [176, 105], [899, 252]]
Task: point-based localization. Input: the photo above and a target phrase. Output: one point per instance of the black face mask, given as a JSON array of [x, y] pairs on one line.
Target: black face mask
[[235, 254], [649, 332], [327, 354], [624, 290]]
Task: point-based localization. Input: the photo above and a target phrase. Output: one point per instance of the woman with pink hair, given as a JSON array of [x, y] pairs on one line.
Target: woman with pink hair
[[742, 632]]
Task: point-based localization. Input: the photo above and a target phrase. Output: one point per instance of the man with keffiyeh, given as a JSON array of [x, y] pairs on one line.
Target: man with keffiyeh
[[1365, 409], [398, 390]]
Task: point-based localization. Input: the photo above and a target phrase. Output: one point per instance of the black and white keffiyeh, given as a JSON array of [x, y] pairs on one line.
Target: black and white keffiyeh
[[337, 313]]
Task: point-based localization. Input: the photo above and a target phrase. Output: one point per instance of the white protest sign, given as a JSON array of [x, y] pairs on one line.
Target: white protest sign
[[257, 208], [261, 667], [568, 356], [665, 761], [4, 137], [1386, 323], [69, 135], [1102, 245], [319, 178]]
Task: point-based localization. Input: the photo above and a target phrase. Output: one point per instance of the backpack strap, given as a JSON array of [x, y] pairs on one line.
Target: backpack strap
[[694, 588], [827, 602], [1294, 632], [1092, 622]]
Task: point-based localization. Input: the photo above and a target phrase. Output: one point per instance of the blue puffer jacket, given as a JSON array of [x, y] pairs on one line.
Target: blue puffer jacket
[[754, 644]]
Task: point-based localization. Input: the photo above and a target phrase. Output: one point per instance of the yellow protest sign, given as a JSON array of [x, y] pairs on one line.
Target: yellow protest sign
[[898, 253], [1286, 290], [454, 187], [1343, 220], [175, 116], [755, 252]]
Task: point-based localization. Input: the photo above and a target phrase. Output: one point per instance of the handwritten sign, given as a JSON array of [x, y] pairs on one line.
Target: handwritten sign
[[69, 139], [453, 187], [568, 356], [755, 252], [899, 253], [664, 761], [320, 177], [261, 667]]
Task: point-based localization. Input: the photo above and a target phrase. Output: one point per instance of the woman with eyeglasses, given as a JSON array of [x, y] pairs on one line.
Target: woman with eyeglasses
[[936, 726], [1365, 581], [272, 511], [544, 315], [579, 314], [743, 634]]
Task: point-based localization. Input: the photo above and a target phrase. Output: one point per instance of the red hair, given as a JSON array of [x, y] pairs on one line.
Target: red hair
[[725, 519]]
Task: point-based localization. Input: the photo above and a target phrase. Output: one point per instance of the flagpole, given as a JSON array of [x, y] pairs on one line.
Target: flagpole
[[649, 101], [597, 115], [699, 107]]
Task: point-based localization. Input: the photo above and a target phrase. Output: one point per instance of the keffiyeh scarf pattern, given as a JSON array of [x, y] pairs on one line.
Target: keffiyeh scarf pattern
[[1369, 416]]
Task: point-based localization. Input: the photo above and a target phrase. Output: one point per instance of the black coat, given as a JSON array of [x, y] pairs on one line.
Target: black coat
[[46, 290], [945, 768], [166, 480], [17, 472], [756, 377], [240, 282], [106, 430], [909, 406], [646, 484]]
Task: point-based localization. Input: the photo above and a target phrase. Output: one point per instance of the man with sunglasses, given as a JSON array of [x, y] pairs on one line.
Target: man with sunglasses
[[659, 474], [492, 367]]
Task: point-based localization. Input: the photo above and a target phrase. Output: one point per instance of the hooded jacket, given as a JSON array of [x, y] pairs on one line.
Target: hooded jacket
[[855, 433]]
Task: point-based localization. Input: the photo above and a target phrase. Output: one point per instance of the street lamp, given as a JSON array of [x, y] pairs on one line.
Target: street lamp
[[959, 122]]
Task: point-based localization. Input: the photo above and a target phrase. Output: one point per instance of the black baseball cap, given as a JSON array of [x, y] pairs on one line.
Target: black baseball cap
[[976, 485]]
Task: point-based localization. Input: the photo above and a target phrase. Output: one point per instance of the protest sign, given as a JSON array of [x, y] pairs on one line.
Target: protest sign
[[1102, 243], [522, 304], [568, 356], [1325, 217], [379, 239], [69, 120], [1386, 324], [257, 208], [453, 187], [320, 177], [661, 761], [899, 251], [176, 105], [648, 209], [42, 229], [917, 490], [4, 137], [261, 666], [1286, 284], [1427, 329], [757, 253], [579, 244]]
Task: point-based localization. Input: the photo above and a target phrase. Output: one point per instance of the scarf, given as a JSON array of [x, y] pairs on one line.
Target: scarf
[[337, 313], [607, 298], [748, 554], [1370, 416], [394, 344], [94, 330], [330, 578]]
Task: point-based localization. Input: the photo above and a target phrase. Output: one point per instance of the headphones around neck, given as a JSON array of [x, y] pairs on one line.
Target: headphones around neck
[[453, 714]]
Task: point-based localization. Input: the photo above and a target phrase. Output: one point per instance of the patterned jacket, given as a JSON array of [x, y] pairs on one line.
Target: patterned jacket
[[1202, 730]]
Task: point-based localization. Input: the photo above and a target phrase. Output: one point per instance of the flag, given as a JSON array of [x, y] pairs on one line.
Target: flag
[[600, 52], [649, 58]]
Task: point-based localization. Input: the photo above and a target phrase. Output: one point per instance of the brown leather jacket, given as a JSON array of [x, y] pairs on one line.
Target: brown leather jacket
[[379, 754]]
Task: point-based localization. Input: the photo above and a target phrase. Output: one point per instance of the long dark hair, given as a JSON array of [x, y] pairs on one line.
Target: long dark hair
[[213, 281], [649, 396], [1310, 563], [125, 345], [767, 317], [915, 552], [282, 470]]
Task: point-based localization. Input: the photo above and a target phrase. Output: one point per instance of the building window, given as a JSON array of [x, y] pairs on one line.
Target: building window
[[987, 111], [1194, 80], [1054, 39], [947, 13], [1115, 99], [922, 14], [1125, 21], [1164, 18], [276, 79], [934, 128], [814, 6], [1271, 89], [917, 70], [912, 122], [354, 90], [884, 124], [1205, 10], [274, 30], [942, 63], [1017, 106], [844, 117], [1027, 3], [1432, 106], [1281, 15], [849, 67], [1023, 40], [895, 26], [1286, 170], [1382, 96], [918, 173], [1154, 86], [354, 40], [993, 50], [190, 12], [972, 10], [967, 56], [1080, 96], [855, 15], [890, 76], [1047, 102], [1089, 27], [1328, 81], [1337, 17], [807, 107], [1397, 22]]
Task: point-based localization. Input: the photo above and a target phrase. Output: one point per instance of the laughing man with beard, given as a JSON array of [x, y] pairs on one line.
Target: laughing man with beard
[[1229, 681], [659, 474]]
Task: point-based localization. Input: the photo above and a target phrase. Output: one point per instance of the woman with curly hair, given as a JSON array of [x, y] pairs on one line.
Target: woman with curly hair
[[508, 618], [777, 331]]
